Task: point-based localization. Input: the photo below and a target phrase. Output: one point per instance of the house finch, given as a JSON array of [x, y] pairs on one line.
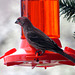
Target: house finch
[[38, 39]]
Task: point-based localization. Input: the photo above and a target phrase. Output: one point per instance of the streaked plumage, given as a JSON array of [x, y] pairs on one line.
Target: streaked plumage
[[38, 39]]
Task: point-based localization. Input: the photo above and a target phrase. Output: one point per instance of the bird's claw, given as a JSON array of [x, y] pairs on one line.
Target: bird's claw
[[37, 60], [39, 54]]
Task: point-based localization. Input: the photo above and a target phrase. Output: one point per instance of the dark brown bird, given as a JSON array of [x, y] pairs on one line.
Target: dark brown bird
[[38, 39]]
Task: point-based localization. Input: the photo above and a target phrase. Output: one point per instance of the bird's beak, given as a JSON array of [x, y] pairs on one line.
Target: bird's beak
[[17, 22]]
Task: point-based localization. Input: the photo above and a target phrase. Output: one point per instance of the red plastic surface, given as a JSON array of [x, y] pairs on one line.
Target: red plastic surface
[[28, 57], [43, 14], [8, 53]]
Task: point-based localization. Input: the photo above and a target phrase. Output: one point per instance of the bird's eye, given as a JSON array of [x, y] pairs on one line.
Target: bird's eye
[[18, 19]]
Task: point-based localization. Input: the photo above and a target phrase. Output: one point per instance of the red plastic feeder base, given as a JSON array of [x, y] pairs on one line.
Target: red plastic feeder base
[[25, 56]]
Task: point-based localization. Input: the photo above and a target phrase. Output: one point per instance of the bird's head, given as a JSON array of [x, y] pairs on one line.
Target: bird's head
[[21, 20]]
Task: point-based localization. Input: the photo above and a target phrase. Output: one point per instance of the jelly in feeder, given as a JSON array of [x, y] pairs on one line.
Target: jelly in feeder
[[44, 14]]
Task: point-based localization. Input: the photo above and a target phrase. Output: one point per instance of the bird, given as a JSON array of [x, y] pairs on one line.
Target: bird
[[39, 40]]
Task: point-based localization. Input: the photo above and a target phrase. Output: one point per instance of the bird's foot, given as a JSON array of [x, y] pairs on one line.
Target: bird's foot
[[38, 51], [37, 60]]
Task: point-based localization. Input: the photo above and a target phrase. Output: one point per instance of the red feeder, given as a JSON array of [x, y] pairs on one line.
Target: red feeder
[[44, 14]]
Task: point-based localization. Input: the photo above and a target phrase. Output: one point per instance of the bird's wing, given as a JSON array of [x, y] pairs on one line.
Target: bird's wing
[[41, 41]]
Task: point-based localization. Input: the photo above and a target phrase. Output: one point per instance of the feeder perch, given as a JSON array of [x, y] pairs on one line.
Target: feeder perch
[[44, 14]]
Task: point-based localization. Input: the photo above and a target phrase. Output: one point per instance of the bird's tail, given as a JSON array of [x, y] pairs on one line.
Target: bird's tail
[[67, 56]]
